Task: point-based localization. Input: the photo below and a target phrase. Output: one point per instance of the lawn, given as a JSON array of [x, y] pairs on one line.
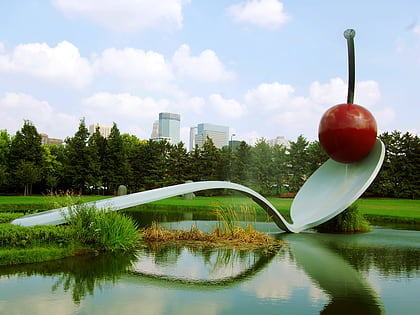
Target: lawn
[[405, 210]]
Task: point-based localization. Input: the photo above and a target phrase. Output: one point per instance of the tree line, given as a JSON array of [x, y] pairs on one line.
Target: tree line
[[90, 163]]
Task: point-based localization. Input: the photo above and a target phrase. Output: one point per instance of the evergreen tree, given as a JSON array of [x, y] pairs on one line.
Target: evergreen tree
[[5, 142], [209, 161], [78, 159], [316, 156], [280, 170], [241, 164], [262, 166], [177, 164], [97, 148], [298, 163], [115, 166], [26, 154]]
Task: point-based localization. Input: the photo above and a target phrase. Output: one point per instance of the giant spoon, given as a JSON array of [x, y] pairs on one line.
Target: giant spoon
[[327, 192]]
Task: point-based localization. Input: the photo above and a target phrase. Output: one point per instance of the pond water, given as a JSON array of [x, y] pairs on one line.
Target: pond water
[[370, 273]]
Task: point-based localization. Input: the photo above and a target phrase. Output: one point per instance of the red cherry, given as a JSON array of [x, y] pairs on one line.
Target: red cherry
[[347, 132]]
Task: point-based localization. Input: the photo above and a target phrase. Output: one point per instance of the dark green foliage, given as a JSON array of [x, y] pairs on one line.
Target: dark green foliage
[[93, 164], [78, 172], [9, 217], [298, 163], [25, 157], [102, 230], [115, 164], [349, 221], [400, 173], [15, 236]]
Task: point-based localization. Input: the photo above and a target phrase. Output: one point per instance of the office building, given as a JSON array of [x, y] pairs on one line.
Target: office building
[[218, 134], [45, 140], [155, 130], [105, 131], [168, 128], [193, 132]]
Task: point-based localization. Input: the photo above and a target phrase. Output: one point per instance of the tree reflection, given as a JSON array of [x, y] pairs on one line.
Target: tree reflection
[[78, 275]]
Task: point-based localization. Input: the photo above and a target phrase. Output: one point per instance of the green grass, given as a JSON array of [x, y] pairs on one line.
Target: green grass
[[398, 210]]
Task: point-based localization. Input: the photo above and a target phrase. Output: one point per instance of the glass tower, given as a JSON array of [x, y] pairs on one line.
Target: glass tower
[[169, 127]]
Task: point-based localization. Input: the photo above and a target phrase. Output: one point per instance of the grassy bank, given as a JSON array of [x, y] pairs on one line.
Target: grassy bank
[[375, 209]]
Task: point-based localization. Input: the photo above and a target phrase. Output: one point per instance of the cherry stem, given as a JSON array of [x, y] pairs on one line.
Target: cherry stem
[[349, 35]]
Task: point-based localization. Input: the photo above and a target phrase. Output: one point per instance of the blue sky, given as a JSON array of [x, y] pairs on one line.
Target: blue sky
[[265, 68]]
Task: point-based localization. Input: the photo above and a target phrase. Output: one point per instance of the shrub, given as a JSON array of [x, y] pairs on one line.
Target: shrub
[[103, 230], [349, 221], [16, 236]]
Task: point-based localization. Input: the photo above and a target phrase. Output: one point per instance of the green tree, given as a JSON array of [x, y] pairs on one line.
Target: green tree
[[262, 166], [78, 159], [97, 148], [316, 156], [5, 142], [26, 152], [194, 164], [115, 165], [241, 163], [279, 168], [50, 169], [177, 164], [298, 163], [210, 159], [399, 175]]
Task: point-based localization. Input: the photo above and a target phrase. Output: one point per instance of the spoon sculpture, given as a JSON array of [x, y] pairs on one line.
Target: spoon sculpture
[[346, 132]]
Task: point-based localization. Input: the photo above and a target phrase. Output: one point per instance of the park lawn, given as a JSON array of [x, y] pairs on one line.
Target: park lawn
[[389, 209]]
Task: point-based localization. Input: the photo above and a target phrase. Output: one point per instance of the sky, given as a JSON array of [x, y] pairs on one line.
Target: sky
[[265, 68]]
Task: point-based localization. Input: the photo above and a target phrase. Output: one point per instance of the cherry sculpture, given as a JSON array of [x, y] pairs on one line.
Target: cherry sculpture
[[347, 132]]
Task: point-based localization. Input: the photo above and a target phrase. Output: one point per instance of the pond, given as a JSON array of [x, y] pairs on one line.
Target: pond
[[370, 273]]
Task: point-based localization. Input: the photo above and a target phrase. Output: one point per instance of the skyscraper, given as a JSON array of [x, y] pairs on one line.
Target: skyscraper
[[169, 127], [219, 135]]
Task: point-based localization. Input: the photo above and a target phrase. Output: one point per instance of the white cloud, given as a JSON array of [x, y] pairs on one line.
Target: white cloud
[[148, 70], [107, 108], [264, 13], [61, 64], [205, 68], [17, 107], [271, 96], [416, 29], [227, 108], [335, 92], [285, 112], [127, 15]]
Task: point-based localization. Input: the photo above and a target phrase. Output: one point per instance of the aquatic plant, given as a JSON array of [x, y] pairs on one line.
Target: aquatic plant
[[102, 230], [349, 221]]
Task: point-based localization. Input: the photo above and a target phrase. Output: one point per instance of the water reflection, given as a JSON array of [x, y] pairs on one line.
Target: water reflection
[[79, 276], [315, 273], [201, 267]]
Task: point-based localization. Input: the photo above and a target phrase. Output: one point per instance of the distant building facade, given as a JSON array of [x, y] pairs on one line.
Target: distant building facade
[[45, 140], [167, 127], [193, 132], [105, 131], [280, 140], [218, 134], [155, 130]]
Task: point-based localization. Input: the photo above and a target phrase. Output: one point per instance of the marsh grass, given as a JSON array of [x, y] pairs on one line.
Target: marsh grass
[[233, 229], [101, 229]]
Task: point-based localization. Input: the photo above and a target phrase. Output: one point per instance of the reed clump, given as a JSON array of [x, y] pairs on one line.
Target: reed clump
[[229, 232], [349, 221]]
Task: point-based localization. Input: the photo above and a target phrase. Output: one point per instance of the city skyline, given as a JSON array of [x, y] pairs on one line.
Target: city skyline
[[265, 67]]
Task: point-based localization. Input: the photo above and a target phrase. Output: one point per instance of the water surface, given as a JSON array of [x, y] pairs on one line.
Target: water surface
[[370, 273]]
